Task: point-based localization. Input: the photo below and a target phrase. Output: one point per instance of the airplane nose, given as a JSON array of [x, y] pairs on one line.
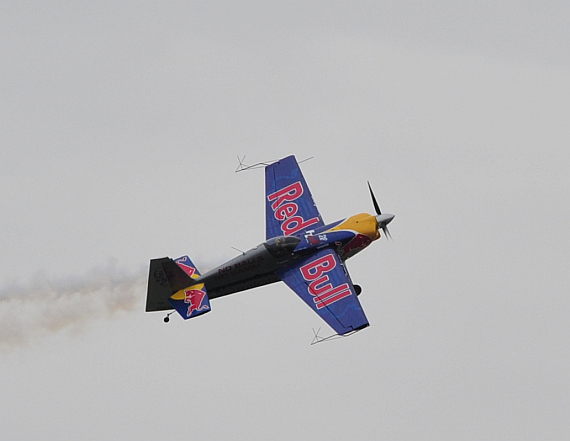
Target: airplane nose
[[384, 219]]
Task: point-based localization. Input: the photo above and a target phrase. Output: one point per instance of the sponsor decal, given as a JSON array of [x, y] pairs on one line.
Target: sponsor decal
[[248, 265], [185, 264], [285, 209], [315, 240], [320, 286], [194, 298], [356, 245]]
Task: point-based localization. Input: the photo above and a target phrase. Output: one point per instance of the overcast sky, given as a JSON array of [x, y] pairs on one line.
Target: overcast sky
[[120, 123]]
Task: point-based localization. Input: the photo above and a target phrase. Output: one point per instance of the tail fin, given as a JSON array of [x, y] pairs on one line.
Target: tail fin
[[171, 285], [158, 291]]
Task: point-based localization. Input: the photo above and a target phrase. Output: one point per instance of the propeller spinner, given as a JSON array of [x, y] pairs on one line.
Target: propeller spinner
[[382, 219]]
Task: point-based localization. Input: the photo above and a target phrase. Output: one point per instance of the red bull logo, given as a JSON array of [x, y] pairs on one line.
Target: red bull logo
[[356, 245], [320, 285], [195, 298], [285, 209]]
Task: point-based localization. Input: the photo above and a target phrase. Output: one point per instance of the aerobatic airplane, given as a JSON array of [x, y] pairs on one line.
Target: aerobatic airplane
[[301, 250]]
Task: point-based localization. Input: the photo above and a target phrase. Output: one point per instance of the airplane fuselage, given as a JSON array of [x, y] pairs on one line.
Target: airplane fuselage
[[258, 266]]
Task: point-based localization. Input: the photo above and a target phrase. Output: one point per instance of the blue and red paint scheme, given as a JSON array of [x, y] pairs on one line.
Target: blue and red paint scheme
[[300, 250], [192, 300]]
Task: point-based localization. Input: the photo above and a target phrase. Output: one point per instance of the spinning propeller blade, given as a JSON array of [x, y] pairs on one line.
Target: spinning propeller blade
[[376, 206], [382, 219]]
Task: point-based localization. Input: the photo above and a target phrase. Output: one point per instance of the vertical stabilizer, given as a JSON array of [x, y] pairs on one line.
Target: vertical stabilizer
[[158, 291]]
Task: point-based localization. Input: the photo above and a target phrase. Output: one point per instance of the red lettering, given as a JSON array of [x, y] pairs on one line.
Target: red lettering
[[314, 285], [320, 287], [313, 270], [334, 295], [286, 210], [289, 193], [296, 223]]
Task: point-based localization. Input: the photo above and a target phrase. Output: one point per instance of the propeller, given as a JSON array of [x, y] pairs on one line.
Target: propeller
[[382, 219]]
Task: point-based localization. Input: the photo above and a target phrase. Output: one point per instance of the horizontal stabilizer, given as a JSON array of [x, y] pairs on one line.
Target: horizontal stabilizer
[[191, 300]]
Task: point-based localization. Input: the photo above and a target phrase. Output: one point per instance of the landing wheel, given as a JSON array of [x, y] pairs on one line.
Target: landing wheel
[[357, 289], [166, 319]]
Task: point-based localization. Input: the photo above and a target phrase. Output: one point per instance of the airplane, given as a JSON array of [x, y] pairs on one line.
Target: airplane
[[300, 250]]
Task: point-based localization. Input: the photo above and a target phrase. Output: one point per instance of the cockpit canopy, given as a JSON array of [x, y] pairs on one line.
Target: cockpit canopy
[[282, 245]]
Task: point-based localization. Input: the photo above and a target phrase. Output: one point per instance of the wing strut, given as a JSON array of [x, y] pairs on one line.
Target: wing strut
[[318, 339], [242, 166]]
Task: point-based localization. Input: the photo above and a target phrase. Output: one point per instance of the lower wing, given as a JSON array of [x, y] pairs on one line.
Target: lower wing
[[323, 284]]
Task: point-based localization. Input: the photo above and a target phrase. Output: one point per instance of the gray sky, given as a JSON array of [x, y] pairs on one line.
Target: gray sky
[[120, 123]]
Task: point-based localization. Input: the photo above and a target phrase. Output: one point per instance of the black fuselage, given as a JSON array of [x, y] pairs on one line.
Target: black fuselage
[[253, 268]]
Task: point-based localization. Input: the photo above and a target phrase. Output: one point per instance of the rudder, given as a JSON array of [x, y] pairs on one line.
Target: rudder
[[158, 291]]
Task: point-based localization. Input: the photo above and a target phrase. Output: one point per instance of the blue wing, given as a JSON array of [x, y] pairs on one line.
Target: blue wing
[[321, 281], [289, 206]]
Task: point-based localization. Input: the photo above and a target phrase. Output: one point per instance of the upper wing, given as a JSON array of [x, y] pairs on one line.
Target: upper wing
[[321, 281], [289, 206]]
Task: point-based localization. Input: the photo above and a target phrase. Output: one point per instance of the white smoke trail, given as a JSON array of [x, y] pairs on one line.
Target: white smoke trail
[[47, 306]]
